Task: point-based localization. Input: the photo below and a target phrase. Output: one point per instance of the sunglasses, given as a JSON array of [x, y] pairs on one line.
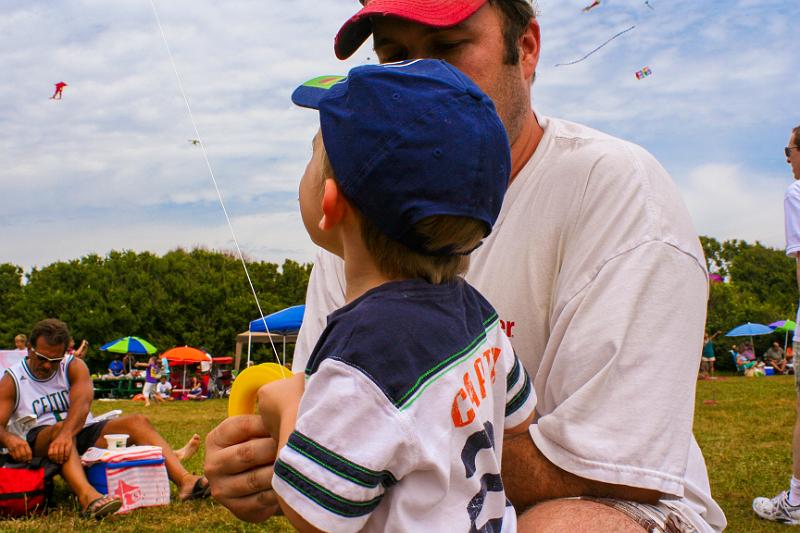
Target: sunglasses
[[44, 358], [788, 150]]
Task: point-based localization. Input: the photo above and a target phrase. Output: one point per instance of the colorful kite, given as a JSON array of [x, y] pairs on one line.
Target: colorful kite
[[641, 74], [59, 89], [596, 49], [591, 6]]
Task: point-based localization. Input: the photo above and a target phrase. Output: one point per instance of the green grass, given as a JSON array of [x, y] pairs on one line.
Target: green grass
[[745, 437]]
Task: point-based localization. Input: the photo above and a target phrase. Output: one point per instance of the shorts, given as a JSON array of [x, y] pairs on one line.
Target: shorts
[[85, 439], [708, 359], [147, 391], [653, 518]]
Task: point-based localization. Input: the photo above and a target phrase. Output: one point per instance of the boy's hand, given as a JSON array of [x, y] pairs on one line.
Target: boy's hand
[[277, 404], [238, 466]]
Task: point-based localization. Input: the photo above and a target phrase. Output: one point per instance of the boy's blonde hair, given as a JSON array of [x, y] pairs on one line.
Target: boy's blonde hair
[[395, 260]]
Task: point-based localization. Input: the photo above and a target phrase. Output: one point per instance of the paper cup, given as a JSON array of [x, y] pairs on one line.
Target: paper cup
[[116, 442]]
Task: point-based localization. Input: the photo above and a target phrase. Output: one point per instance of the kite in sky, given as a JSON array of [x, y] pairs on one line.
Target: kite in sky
[[194, 141], [647, 3], [641, 74], [591, 6], [596, 49], [59, 89]]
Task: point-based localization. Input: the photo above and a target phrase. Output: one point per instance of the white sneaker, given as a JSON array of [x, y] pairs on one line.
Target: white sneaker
[[777, 509]]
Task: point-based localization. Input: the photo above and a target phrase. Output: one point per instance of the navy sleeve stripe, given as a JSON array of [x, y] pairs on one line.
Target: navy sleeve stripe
[[520, 398], [338, 465], [513, 376], [323, 497]]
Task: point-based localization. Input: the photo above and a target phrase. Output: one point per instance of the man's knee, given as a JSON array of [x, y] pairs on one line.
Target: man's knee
[[575, 516], [129, 424]]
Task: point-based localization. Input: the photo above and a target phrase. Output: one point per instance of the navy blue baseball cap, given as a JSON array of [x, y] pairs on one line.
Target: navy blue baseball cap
[[411, 140]]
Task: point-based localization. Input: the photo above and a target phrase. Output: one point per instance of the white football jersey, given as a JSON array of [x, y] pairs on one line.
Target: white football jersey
[[400, 427]]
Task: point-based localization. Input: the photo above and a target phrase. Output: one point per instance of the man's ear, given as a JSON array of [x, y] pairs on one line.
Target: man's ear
[[529, 49], [334, 205]]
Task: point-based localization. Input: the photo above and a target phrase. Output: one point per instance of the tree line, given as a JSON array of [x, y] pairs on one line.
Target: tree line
[[201, 298], [760, 286], [197, 298]]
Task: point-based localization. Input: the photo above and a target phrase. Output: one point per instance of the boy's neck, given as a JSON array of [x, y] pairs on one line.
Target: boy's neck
[[360, 271]]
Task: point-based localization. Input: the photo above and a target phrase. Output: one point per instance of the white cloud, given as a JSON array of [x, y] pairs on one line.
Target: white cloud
[[729, 202]]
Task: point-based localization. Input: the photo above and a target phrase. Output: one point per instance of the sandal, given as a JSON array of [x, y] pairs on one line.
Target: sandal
[[199, 490], [102, 506]]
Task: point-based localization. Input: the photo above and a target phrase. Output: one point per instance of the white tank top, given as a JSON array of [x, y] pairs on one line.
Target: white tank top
[[46, 399]]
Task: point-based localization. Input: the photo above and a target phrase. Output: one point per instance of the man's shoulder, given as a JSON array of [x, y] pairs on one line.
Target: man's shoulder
[[793, 190]]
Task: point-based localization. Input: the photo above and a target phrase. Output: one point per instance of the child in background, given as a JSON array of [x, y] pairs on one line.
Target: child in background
[[413, 383]]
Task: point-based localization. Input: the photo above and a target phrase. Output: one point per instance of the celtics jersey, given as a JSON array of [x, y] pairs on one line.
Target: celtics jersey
[[400, 427], [46, 399]]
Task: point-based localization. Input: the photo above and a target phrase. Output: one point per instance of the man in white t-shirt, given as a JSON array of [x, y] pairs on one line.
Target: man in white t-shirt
[[785, 507], [592, 247]]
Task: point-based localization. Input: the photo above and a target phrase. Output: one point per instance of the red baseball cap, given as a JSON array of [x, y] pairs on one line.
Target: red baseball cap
[[435, 13]]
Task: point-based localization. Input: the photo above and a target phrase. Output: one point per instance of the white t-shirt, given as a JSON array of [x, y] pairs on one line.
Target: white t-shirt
[[400, 428], [791, 219], [164, 389], [600, 282]]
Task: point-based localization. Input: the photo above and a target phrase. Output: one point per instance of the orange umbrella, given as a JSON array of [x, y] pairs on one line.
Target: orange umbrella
[[186, 355]]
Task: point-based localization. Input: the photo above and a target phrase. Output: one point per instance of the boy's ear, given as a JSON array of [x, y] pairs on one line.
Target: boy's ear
[[334, 205]]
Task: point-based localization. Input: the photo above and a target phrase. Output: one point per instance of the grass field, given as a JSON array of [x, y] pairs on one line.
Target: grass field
[[745, 437]]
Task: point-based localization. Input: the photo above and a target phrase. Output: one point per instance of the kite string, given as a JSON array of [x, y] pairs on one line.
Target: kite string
[[596, 49], [216, 186]]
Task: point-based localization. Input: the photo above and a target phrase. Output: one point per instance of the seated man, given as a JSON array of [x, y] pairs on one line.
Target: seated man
[[163, 390], [56, 390], [116, 367], [775, 358]]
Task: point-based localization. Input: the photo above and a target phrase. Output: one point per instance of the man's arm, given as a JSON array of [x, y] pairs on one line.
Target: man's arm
[[797, 272], [17, 447], [81, 394], [529, 478]]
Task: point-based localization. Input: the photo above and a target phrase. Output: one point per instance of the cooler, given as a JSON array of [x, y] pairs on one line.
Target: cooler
[[139, 481]]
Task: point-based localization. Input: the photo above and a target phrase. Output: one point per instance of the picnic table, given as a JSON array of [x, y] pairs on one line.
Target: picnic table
[[119, 388]]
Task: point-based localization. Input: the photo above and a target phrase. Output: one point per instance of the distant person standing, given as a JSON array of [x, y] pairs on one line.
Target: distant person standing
[[708, 356], [785, 507]]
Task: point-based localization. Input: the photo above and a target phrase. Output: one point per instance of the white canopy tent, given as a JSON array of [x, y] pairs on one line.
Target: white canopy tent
[[250, 337]]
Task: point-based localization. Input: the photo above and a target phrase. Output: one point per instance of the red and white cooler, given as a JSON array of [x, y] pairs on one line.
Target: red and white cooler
[[136, 474]]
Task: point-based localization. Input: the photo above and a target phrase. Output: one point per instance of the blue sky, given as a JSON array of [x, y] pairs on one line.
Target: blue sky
[[110, 165]]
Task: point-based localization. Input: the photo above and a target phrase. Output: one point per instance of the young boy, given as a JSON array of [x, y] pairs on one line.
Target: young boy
[[412, 383]]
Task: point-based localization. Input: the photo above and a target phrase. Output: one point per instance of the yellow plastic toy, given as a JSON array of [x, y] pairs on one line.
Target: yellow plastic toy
[[245, 387]]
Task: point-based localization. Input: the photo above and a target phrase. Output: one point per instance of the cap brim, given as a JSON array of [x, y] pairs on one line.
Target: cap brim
[[311, 92], [434, 13]]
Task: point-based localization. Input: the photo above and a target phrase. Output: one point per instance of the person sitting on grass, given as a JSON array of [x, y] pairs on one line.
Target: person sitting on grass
[[402, 427], [116, 367], [56, 390], [196, 390], [775, 358], [163, 390]]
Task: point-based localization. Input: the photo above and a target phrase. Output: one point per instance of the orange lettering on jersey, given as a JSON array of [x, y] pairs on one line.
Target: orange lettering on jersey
[[458, 419], [473, 396], [491, 356], [479, 374], [467, 393]]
